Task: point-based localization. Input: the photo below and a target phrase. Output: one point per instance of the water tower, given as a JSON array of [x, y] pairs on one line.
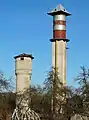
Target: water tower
[[59, 40]]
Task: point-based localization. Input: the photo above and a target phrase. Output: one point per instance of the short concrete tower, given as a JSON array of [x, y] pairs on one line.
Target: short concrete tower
[[59, 41], [23, 71]]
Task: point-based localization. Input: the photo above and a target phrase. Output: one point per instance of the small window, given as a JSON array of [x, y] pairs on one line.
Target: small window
[[22, 58]]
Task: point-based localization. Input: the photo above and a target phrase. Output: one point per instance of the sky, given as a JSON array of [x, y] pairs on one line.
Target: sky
[[25, 27]]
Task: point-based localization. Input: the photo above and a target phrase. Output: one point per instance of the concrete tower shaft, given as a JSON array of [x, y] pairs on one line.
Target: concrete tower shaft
[[23, 72], [59, 41]]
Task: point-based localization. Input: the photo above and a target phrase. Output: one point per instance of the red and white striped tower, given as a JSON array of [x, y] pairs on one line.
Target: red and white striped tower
[[59, 40]]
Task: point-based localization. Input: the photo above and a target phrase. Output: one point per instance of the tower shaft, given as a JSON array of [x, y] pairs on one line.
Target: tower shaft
[[59, 59], [23, 72]]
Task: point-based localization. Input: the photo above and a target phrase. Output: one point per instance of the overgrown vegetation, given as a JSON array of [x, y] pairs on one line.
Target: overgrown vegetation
[[68, 100], [60, 103]]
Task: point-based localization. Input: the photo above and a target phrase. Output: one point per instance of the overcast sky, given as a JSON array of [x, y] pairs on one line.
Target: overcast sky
[[26, 27]]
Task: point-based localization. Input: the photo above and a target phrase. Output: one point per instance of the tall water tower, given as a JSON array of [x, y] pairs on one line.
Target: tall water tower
[[59, 40]]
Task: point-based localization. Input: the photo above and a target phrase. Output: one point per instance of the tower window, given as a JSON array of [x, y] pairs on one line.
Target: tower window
[[22, 58]]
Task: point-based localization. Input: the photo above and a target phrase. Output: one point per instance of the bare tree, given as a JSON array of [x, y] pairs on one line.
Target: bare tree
[[7, 99]]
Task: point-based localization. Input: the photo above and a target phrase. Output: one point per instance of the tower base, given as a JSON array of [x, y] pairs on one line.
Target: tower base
[[25, 114]]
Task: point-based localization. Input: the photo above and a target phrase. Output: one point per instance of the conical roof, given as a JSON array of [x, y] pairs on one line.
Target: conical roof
[[59, 10]]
